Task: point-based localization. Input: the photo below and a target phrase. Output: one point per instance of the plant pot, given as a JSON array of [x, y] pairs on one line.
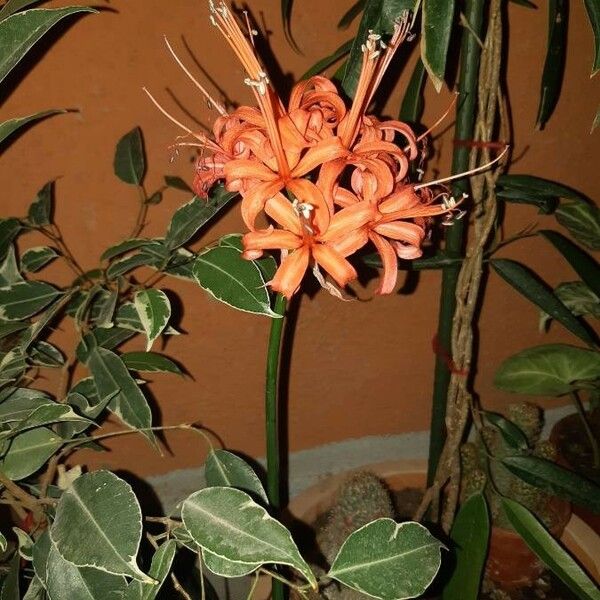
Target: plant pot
[[506, 546]]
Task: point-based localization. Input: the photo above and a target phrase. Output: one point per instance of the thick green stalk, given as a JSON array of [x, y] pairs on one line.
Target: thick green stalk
[[272, 421], [465, 121]]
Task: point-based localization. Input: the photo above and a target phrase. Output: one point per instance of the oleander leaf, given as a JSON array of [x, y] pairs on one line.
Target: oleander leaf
[[582, 220], [436, 28]]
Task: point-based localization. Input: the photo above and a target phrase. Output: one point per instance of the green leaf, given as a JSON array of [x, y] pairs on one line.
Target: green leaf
[[123, 247], [98, 524], [436, 27], [44, 354], [113, 382], [155, 199], [28, 451], [40, 552], [181, 265], [10, 587], [9, 228], [578, 298], [225, 469], [470, 534], [329, 60], [35, 591], [40, 210], [177, 183], [149, 362], [228, 523], [159, 569], [286, 16], [549, 370], [581, 262], [106, 338], [154, 310], [25, 299], [36, 258], [19, 32], [413, 102], [124, 265], [12, 6], [554, 65], [233, 280], [9, 269], [105, 316], [556, 480], [537, 187], [25, 543], [550, 551], [226, 568], [17, 403], [388, 560], [39, 326], [67, 581], [50, 412], [596, 121], [582, 221], [12, 365], [7, 128], [3, 543], [531, 287], [129, 163], [593, 10], [525, 3], [511, 434], [190, 217], [351, 14], [128, 318]]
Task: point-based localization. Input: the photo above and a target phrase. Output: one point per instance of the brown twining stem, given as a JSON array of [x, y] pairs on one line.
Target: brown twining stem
[[491, 113]]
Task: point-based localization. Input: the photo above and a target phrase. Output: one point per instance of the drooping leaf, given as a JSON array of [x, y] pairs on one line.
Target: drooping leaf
[[36, 258], [28, 451], [329, 60], [10, 7], [224, 274], [9, 228], [286, 19], [45, 414], [159, 569], [223, 468], [20, 31], [154, 310], [550, 551], [128, 263], [549, 370], [583, 264], [123, 247], [98, 524], [556, 480], [106, 338], [470, 534], [582, 220], [10, 587], [190, 217], [9, 269], [228, 523], [411, 109], [537, 186], [44, 354], [593, 11], [40, 210], [7, 128], [25, 299], [36, 329], [113, 382], [388, 560], [66, 581], [535, 290], [436, 27], [129, 162], [149, 362], [106, 313], [578, 298], [177, 183], [554, 65], [511, 434], [351, 14]]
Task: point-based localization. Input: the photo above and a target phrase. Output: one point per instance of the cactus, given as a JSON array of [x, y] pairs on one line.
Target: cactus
[[362, 498], [476, 469]]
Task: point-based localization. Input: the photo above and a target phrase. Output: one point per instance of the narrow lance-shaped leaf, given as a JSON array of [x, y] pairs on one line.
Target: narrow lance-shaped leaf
[[129, 163], [529, 285], [12, 6], [554, 66], [177, 183], [154, 310], [20, 31], [550, 551], [98, 524], [556, 480], [593, 10], [437, 21], [582, 220], [7, 128], [228, 523], [413, 102], [351, 14], [329, 60], [511, 434], [388, 560], [470, 534], [578, 298]]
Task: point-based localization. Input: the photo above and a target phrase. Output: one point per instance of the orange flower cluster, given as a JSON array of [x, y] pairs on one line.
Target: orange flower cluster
[[329, 178]]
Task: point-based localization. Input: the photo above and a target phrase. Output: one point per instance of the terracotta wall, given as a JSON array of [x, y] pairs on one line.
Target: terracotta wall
[[358, 368]]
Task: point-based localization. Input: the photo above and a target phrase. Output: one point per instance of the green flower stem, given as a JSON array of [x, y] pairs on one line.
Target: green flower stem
[[465, 122], [272, 421], [588, 430]]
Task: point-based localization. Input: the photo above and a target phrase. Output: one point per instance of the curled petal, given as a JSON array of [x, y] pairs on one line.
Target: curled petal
[[271, 239], [248, 169], [281, 210], [404, 197], [409, 233], [389, 261], [307, 192], [324, 151], [254, 199], [334, 263], [329, 174], [348, 220], [406, 251], [352, 242], [344, 197], [291, 271], [405, 130]]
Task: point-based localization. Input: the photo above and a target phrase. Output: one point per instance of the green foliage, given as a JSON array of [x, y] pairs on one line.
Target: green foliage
[[129, 162], [436, 28]]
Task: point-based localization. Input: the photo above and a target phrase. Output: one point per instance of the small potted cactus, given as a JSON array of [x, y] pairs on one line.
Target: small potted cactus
[[511, 564]]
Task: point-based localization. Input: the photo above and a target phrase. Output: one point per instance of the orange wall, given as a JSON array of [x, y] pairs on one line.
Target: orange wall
[[358, 368]]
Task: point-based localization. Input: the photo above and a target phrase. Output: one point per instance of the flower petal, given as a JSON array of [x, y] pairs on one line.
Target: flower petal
[[271, 239], [334, 263], [291, 271], [390, 264], [352, 242], [348, 220], [307, 192], [248, 169], [324, 151], [409, 233], [281, 210], [254, 200]]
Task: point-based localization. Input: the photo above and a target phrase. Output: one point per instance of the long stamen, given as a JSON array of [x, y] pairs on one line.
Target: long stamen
[[465, 174], [426, 133], [216, 104]]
